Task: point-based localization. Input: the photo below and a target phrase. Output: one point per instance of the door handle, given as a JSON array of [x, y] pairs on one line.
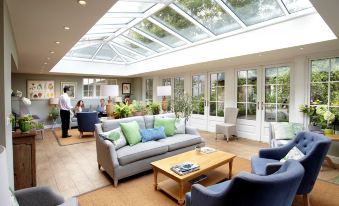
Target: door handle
[[262, 105]]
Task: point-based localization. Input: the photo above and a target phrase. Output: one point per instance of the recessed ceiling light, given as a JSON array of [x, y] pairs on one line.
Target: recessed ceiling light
[[67, 28], [57, 42], [52, 52], [45, 63], [82, 2]]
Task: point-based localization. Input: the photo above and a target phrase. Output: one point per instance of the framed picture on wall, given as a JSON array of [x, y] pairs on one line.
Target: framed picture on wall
[[72, 88], [126, 88], [40, 89]]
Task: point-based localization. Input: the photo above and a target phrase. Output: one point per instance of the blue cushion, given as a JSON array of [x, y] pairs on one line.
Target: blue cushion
[[152, 134]]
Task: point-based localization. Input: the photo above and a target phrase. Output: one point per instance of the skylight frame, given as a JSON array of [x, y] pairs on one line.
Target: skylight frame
[[159, 6]]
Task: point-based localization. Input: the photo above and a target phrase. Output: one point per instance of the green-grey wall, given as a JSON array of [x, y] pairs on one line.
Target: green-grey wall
[[41, 107]]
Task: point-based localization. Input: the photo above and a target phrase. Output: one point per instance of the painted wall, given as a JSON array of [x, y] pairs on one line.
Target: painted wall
[[7, 52], [41, 107]]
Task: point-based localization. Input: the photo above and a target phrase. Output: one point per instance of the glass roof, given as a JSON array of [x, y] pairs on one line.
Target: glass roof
[[133, 30]]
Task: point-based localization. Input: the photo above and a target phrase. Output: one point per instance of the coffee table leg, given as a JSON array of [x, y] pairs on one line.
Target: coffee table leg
[[181, 199], [230, 164], [155, 179]]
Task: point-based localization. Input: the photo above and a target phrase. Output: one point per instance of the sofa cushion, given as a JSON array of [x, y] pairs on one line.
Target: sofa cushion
[[116, 136], [149, 121], [115, 123], [131, 132], [152, 134], [129, 154], [179, 141], [167, 123], [180, 126]]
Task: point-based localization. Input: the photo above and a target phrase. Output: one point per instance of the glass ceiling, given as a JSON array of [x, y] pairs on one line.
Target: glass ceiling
[[133, 30]]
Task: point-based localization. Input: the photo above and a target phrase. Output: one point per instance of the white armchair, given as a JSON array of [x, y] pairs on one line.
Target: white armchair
[[228, 128]]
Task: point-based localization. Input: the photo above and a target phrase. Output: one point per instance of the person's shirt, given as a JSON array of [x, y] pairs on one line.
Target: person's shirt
[[78, 109], [65, 102], [101, 109]]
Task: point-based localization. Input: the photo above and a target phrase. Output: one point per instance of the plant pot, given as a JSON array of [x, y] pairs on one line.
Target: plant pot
[[138, 114], [314, 128], [328, 132], [25, 126]]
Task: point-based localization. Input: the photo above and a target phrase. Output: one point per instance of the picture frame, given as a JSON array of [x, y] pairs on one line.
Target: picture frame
[[126, 88], [40, 89], [72, 88]]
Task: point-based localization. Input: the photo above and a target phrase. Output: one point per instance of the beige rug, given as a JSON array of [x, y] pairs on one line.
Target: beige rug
[[75, 139], [138, 190]]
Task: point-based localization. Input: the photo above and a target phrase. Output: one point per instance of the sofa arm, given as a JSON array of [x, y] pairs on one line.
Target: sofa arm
[[33, 196], [191, 130]]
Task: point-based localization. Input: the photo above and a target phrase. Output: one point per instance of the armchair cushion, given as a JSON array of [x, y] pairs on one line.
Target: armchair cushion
[[294, 154]]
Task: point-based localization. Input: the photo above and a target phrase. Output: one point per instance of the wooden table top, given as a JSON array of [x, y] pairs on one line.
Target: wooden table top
[[205, 161], [333, 137]]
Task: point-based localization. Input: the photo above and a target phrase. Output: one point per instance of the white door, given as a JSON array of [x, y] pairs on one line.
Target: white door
[[276, 97]]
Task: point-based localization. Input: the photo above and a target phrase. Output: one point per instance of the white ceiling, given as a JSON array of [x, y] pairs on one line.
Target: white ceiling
[[37, 24]]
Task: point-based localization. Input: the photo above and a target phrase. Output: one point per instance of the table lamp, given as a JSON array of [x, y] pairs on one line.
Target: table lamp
[[4, 185], [109, 91], [164, 91], [54, 101]]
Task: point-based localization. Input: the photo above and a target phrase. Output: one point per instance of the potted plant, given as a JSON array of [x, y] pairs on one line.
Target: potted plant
[[122, 110], [153, 108], [25, 123], [182, 106], [138, 108], [12, 120], [326, 119], [310, 111]]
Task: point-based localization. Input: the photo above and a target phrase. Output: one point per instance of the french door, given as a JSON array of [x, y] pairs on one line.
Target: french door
[[263, 96], [208, 97]]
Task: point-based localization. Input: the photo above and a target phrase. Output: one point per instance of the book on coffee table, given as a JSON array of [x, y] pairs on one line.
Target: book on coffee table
[[207, 150], [185, 168]]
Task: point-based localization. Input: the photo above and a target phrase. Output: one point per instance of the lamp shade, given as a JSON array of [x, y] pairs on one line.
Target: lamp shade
[[109, 90], [163, 91], [4, 186], [54, 100]]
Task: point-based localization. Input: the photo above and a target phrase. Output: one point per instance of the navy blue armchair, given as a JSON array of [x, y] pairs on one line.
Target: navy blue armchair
[[246, 189], [313, 145], [87, 121]]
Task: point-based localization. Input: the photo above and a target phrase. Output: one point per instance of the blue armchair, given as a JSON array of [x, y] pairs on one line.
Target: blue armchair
[[313, 145], [87, 121], [246, 189]]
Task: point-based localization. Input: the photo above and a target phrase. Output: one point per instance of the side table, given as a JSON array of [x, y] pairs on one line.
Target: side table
[[334, 138]]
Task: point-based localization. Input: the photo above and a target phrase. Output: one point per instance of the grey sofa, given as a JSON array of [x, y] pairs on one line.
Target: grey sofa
[[131, 160]]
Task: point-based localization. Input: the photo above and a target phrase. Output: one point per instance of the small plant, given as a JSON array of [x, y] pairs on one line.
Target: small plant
[[122, 110], [25, 123], [37, 125], [53, 114], [153, 108], [138, 108]]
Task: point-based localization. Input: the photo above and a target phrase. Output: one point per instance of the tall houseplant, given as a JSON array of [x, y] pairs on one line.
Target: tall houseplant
[[138, 108], [182, 105]]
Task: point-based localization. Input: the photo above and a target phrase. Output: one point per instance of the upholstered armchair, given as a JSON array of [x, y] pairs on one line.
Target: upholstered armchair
[[314, 147], [228, 128], [281, 133], [87, 121], [246, 189]]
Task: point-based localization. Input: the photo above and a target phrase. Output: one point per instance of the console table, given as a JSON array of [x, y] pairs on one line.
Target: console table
[[334, 138], [24, 159]]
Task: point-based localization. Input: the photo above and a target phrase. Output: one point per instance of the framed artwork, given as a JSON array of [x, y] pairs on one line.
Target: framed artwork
[[72, 88], [40, 89], [126, 88]]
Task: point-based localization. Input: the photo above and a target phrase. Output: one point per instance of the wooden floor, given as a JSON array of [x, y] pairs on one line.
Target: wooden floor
[[72, 170]]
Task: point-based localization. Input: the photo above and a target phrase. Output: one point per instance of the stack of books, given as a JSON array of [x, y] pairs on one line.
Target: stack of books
[[185, 168]]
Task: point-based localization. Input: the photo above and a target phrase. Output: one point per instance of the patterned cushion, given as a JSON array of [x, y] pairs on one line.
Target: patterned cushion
[[152, 134], [282, 130], [180, 126], [116, 137], [294, 154]]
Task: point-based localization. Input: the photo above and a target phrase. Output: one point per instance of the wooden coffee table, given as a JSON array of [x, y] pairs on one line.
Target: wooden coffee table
[[207, 162]]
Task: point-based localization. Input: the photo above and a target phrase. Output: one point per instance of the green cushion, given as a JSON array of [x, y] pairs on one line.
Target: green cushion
[[116, 137], [131, 132], [167, 123]]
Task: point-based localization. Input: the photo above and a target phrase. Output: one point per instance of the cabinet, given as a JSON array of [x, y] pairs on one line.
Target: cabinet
[[24, 159]]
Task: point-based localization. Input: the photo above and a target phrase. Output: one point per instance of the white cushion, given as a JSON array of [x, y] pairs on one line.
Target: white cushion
[[294, 154], [282, 130]]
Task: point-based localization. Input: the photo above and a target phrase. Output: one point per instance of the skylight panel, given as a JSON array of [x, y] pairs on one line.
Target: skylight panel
[[160, 34], [132, 46], [297, 5], [255, 11], [86, 52], [113, 20], [122, 51], [210, 14], [105, 53], [179, 24], [144, 41], [99, 36], [130, 6]]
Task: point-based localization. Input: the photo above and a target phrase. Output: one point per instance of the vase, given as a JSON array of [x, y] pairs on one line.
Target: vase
[[328, 132], [25, 126]]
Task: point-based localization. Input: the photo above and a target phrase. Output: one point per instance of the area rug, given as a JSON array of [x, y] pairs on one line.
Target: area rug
[[138, 190], [74, 139]]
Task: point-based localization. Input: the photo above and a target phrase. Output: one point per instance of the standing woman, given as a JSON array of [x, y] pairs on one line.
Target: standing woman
[[79, 106], [65, 107]]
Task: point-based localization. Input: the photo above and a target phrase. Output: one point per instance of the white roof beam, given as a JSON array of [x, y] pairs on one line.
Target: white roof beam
[[127, 49], [283, 8], [97, 51]]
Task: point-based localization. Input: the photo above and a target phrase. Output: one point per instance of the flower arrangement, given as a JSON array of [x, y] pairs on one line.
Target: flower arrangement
[[319, 115]]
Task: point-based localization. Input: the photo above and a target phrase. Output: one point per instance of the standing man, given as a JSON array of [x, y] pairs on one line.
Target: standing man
[[65, 106]]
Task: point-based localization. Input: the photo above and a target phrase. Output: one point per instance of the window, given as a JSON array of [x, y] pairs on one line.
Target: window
[[91, 86], [198, 94], [149, 90], [277, 94], [217, 94], [325, 83], [247, 94], [179, 86]]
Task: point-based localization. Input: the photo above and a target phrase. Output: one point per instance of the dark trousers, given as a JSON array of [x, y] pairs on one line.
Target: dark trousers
[[65, 116]]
